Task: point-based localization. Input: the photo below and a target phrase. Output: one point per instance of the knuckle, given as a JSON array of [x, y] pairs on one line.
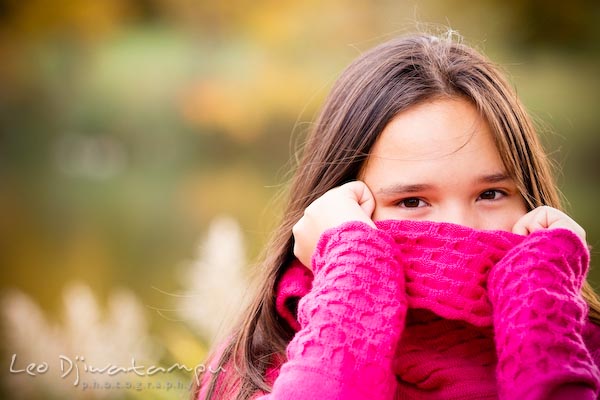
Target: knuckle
[[311, 210], [297, 228]]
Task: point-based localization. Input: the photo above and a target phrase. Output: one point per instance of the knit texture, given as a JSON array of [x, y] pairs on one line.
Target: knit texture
[[447, 348], [351, 320], [540, 316], [422, 310]]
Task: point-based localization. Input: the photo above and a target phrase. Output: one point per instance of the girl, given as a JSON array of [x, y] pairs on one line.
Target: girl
[[423, 253]]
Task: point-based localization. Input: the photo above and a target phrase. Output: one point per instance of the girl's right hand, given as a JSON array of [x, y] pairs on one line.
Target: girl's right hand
[[352, 201], [545, 217]]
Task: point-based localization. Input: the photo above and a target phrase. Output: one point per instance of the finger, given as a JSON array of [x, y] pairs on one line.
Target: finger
[[520, 228], [366, 199], [299, 250], [361, 194], [545, 217], [528, 223]]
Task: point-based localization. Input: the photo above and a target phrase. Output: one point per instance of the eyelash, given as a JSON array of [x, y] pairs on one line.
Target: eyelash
[[402, 203], [502, 193]]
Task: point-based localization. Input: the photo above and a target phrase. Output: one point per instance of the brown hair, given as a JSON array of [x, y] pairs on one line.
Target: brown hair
[[376, 87]]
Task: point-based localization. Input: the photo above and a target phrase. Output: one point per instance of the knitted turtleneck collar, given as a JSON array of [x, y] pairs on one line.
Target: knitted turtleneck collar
[[455, 312], [446, 268], [423, 310]]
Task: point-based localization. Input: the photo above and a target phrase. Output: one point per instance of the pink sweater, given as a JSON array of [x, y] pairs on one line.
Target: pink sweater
[[421, 310]]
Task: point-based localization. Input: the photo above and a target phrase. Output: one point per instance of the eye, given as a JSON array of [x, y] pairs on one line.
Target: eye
[[492, 194], [412, 202]]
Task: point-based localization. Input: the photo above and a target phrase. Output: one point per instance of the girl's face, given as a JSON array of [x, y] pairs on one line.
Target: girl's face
[[437, 161]]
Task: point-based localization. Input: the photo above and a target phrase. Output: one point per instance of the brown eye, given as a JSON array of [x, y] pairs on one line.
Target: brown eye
[[491, 195], [412, 202]]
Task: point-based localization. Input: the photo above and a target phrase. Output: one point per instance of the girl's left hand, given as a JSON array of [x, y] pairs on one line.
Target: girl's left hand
[[546, 217]]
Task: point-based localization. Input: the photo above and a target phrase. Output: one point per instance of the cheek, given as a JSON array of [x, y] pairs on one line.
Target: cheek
[[504, 220], [381, 213], [397, 213], [386, 212]]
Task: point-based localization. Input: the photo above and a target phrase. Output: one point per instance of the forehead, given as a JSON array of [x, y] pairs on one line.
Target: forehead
[[444, 134], [435, 128]]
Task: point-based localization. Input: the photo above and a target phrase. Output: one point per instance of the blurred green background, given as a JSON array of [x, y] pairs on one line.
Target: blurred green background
[[143, 144]]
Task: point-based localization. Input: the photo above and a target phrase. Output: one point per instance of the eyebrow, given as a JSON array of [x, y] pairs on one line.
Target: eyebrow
[[494, 178], [400, 188]]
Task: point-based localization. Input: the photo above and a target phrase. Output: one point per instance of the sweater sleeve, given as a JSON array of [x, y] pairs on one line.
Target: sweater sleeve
[[539, 316], [350, 321]]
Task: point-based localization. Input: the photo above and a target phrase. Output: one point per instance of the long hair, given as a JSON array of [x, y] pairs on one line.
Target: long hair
[[376, 87]]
